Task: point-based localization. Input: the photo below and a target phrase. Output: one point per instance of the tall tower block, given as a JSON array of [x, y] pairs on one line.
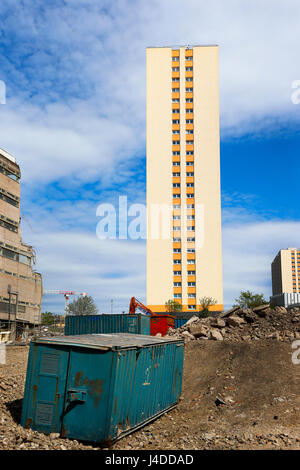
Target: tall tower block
[[183, 174]]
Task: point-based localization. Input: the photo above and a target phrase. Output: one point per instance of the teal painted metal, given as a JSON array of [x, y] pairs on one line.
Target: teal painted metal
[[107, 323], [180, 322], [100, 387]]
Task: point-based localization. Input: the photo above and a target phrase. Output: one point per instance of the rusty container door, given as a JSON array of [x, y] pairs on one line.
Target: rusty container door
[[45, 388], [87, 394]]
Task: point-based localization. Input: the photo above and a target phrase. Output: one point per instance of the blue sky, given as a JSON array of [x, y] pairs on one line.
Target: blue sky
[[75, 121], [266, 169]]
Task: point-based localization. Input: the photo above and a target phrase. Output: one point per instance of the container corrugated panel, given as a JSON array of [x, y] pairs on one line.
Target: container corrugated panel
[[114, 323], [144, 325], [180, 322], [100, 387]]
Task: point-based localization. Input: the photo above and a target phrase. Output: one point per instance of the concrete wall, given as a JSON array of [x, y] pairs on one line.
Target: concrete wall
[[159, 171], [207, 172]]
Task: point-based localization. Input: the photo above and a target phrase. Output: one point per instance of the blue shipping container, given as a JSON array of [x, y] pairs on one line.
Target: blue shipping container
[[180, 322], [107, 323], [100, 387]]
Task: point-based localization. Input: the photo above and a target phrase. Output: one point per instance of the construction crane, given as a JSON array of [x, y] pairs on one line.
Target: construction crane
[[137, 304], [66, 294]]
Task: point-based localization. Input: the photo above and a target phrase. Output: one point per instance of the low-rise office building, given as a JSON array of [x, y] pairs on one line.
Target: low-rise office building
[[20, 285]]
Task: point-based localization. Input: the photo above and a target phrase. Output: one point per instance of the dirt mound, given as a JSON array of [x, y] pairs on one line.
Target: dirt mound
[[236, 395]]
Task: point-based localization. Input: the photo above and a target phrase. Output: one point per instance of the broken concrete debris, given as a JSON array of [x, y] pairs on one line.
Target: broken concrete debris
[[234, 320], [229, 312], [243, 324], [216, 335]]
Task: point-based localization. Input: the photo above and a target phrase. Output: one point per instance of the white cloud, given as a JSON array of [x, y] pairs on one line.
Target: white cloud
[[71, 257], [64, 143], [75, 77], [115, 269], [80, 93], [248, 250], [106, 269]]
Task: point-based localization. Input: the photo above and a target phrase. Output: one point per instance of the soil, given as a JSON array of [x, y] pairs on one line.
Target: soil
[[239, 395]]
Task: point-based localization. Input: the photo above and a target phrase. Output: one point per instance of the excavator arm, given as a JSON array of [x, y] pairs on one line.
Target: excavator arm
[[135, 304]]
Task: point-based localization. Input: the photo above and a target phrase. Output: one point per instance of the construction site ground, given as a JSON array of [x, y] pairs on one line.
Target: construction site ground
[[256, 380]]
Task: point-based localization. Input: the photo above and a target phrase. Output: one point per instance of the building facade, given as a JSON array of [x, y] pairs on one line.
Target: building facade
[[20, 285], [286, 272], [184, 245]]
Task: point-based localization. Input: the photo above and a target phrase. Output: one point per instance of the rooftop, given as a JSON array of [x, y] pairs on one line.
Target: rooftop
[[106, 341], [7, 155], [189, 46]]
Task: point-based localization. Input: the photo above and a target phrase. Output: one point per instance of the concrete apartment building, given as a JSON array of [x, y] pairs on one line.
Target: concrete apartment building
[[20, 285], [286, 277], [286, 271], [183, 174]]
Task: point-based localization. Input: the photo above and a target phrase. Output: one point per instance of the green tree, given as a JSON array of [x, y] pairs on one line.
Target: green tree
[[173, 306], [83, 306], [248, 299], [47, 318], [205, 303]]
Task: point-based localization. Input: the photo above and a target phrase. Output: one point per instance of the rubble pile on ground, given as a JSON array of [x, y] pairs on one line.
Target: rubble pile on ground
[[27, 334], [243, 324], [41, 331], [49, 331]]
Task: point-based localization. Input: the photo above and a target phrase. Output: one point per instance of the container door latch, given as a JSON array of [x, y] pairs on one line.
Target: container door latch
[[76, 395]]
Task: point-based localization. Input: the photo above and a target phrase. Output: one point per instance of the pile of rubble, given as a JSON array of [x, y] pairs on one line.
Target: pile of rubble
[[24, 337], [49, 331], [43, 331], [244, 324]]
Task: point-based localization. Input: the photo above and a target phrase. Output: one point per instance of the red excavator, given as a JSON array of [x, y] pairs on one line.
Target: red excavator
[[137, 304], [159, 323]]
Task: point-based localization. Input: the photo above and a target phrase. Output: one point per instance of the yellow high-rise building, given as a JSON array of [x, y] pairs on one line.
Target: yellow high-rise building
[[183, 177]]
